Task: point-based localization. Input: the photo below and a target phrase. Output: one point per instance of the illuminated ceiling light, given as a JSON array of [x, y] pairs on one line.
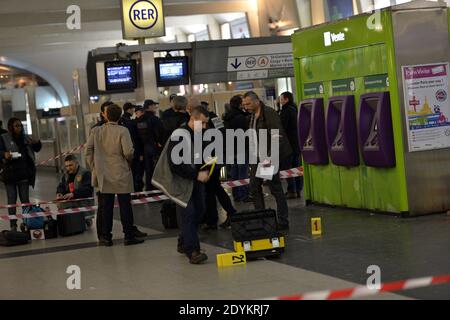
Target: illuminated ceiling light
[[230, 83]]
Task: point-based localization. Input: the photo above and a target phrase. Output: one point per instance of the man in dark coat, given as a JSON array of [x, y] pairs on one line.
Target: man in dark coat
[[288, 116], [149, 130], [137, 164], [236, 118], [265, 118]]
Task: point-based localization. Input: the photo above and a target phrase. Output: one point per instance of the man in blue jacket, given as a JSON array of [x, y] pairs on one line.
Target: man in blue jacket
[[75, 184]]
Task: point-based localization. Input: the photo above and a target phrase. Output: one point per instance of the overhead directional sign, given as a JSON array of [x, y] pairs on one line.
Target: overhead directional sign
[[241, 60], [260, 61]]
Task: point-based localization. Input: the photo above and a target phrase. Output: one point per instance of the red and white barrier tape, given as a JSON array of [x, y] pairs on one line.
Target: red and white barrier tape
[[295, 172], [2, 206], [77, 210], [236, 183], [61, 155], [291, 173], [364, 291]]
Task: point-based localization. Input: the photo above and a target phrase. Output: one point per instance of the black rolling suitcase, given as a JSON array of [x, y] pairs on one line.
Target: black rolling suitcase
[[71, 224], [13, 238], [169, 215], [255, 233]]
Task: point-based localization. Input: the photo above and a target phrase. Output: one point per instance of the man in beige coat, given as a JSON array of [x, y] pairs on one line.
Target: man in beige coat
[[109, 151]]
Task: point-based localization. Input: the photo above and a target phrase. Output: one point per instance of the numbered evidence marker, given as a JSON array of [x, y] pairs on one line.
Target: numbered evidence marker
[[231, 259], [316, 226]]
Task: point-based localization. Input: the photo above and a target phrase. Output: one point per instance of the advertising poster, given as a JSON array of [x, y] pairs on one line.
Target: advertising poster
[[427, 106], [339, 9]]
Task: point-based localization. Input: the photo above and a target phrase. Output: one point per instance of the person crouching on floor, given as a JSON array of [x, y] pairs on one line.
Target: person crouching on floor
[[75, 184]]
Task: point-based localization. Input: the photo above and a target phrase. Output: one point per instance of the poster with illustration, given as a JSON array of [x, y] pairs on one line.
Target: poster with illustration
[[339, 9], [427, 106]]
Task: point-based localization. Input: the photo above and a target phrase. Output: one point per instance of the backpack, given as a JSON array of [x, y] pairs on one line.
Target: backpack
[[33, 223]]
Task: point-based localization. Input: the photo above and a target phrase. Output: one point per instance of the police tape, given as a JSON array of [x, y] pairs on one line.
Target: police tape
[[7, 206], [290, 173], [365, 291], [77, 210], [286, 174], [61, 155]]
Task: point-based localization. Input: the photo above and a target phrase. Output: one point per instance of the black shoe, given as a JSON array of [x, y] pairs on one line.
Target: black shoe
[[132, 241], [139, 234], [197, 257], [226, 224], [105, 243], [284, 226]]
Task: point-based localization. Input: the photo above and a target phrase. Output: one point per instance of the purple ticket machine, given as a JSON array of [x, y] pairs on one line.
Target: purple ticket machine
[[311, 132], [341, 131], [375, 130]]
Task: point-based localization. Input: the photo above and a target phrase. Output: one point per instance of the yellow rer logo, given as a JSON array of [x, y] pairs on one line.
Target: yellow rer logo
[[143, 14]]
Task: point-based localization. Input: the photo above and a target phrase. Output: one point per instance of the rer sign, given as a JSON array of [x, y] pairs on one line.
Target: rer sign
[[142, 19]]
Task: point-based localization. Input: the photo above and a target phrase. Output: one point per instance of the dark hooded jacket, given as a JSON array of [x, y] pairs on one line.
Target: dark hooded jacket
[[288, 116]]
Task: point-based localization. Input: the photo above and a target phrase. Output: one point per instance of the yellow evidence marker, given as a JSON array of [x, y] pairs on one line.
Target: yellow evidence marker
[[316, 226], [231, 259]]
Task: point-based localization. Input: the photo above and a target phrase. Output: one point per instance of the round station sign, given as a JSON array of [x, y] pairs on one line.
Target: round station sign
[[143, 14]]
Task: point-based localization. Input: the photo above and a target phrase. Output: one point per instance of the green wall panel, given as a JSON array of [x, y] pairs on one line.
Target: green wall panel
[[364, 53]]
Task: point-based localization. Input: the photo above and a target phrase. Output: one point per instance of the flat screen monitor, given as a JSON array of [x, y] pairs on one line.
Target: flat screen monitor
[[172, 71], [120, 75]]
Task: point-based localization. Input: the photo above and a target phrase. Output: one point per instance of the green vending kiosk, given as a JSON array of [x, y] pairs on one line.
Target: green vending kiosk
[[374, 110]]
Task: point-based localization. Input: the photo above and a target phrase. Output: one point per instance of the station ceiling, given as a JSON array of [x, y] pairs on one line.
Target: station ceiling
[[41, 25]]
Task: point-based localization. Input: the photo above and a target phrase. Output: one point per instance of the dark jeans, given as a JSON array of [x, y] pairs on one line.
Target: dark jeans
[[126, 214], [214, 189], [294, 184], [99, 217], [149, 165], [11, 192], [239, 172], [137, 169], [191, 217], [275, 188]]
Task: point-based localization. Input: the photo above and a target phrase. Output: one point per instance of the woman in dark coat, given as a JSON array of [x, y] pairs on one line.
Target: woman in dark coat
[[18, 164]]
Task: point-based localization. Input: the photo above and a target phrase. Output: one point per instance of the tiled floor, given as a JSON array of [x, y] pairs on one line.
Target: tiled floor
[[352, 241]]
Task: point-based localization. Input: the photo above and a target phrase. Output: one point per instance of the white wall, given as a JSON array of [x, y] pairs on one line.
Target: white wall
[[18, 99], [59, 63], [46, 98]]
